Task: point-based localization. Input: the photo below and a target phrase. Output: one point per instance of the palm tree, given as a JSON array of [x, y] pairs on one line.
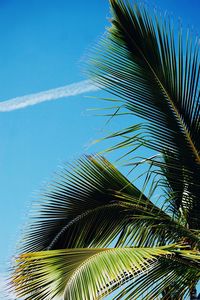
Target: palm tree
[[93, 231]]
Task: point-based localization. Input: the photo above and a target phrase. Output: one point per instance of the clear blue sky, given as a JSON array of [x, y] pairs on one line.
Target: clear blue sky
[[42, 44]]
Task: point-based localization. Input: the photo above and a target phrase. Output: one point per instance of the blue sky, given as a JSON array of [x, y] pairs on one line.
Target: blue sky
[[42, 47]]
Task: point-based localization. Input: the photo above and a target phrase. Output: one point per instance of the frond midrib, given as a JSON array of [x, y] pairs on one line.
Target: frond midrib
[[178, 116], [104, 250], [77, 218], [138, 207]]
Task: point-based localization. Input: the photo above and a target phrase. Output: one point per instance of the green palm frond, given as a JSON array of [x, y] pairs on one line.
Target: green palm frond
[[141, 63], [94, 273], [67, 273], [84, 196], [91, 204], [150, 226], [166, 280], [157, 79]]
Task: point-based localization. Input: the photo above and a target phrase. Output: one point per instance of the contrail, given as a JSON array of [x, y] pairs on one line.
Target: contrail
[[57, 93]]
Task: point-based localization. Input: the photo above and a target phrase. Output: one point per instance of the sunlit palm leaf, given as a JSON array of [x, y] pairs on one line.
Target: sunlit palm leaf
[[81, 273], [93, 273], [166, 280], [158, 81]]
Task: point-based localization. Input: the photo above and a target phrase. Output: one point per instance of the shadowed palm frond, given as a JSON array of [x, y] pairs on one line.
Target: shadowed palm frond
[[81, 196], [84, 195], [157, 78], [91, 204]]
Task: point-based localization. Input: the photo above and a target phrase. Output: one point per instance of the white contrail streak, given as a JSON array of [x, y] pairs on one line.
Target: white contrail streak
[[57, 93]]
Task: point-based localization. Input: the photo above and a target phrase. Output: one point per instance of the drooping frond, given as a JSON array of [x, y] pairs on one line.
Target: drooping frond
[[166, 280], [81, 208], [150, 226], [94, 273], [81, 273], [157, 78], [92, 204]]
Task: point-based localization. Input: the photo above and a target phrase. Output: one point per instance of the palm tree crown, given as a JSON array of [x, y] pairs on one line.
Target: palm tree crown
[[93, 231]]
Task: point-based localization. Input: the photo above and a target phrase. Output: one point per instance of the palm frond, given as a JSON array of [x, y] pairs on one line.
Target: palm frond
[[91, 204], [158, 80], [148, 226], [81, 208], [166, 280], [81, 273], [94, 273]]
